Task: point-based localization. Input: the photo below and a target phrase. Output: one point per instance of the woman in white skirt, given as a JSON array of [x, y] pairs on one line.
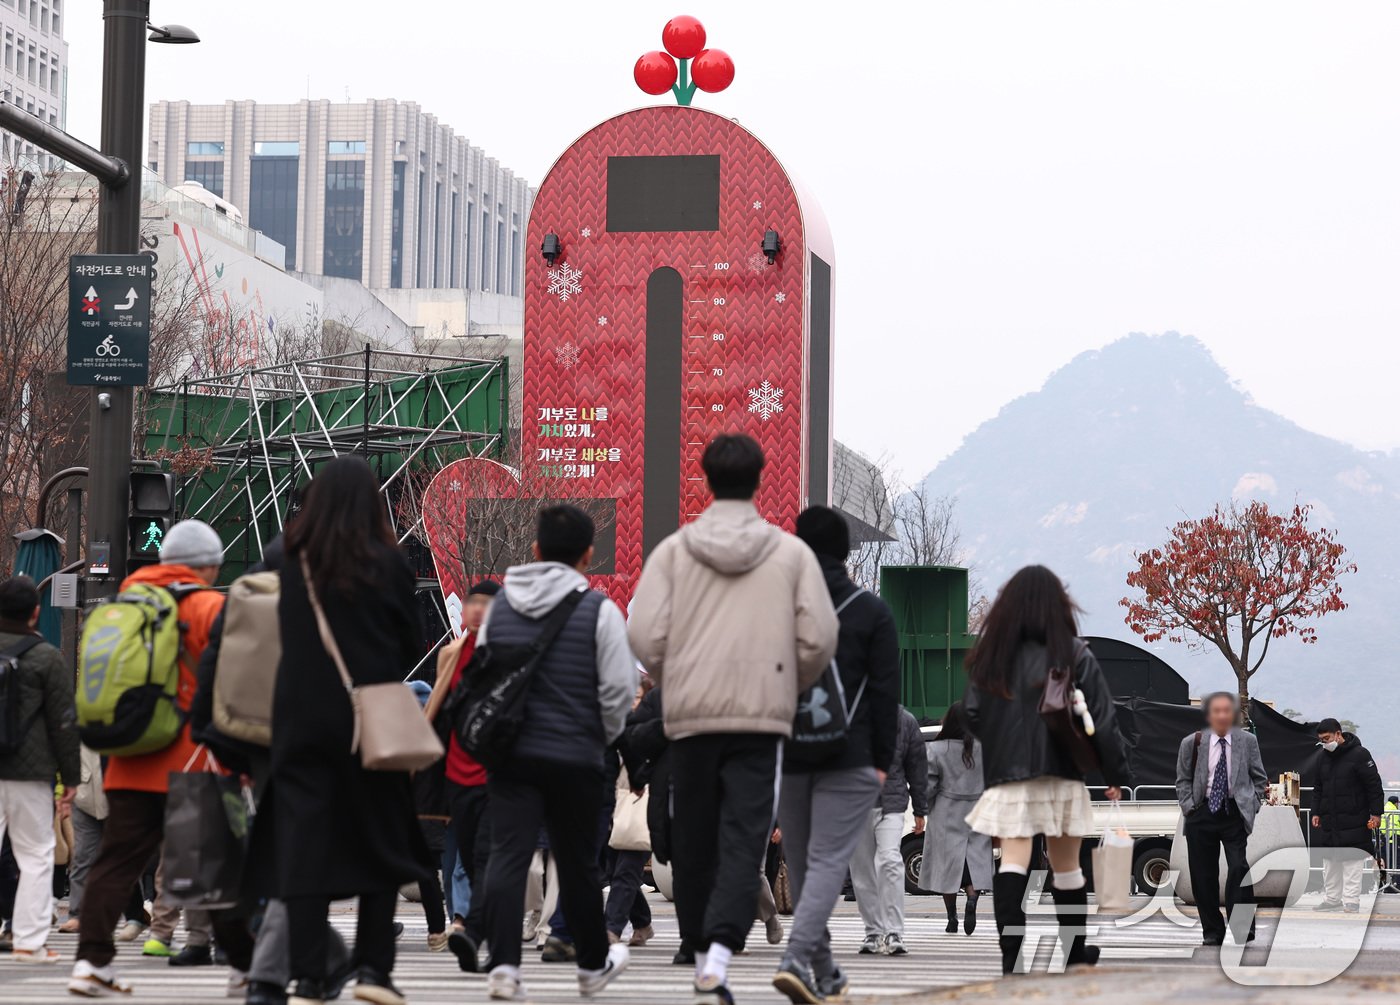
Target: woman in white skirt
[[955, 856], [1033, 786]]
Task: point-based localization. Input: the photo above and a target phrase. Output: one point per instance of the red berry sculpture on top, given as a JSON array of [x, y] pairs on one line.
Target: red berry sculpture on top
[[699, 68]]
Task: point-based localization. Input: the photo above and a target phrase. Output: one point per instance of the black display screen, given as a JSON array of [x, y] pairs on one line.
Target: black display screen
[[663, 193]]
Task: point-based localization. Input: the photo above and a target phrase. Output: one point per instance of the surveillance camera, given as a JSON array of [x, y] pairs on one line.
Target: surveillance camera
[[104, 401], [771, 245], [551, 248]]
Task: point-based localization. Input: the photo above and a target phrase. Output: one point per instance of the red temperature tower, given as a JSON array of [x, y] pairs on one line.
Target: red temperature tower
[[682, 288]]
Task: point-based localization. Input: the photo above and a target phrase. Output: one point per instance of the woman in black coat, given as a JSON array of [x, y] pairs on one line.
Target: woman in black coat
[[1033, 785], [339, 830]]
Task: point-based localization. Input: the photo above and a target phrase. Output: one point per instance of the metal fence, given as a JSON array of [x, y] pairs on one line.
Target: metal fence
[[1387, 835], [1388, 851]]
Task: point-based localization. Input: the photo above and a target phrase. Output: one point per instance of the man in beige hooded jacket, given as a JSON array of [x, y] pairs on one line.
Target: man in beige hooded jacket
[[733, 616]]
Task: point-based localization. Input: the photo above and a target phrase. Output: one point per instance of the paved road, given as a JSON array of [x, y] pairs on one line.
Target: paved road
[[936, 961]]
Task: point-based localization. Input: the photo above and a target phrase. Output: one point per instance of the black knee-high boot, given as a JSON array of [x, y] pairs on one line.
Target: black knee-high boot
[[1008, 902], [970, 915], [1072, 914], [950, 904]]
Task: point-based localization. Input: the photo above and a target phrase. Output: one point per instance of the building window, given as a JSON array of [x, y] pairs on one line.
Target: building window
[[485, 265], [396, 241], [438, 214], [345, 147], [422, 240], [204, 149], [272, 201], [454, 240], [467, 246], [280, 148], [515, 263], [500, 256], [345, 219], [210, 174]]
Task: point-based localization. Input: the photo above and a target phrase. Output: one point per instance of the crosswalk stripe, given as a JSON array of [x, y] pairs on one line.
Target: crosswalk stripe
[[936, 960]]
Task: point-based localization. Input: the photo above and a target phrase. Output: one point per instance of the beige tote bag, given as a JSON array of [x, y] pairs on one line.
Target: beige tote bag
[[629, 826], [391, 731], [1113, 865]]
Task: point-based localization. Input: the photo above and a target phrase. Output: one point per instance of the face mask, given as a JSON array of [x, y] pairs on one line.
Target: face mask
[[1330, 746]]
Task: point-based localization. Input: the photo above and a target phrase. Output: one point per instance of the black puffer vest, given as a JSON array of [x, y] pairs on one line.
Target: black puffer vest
[[563, 722]]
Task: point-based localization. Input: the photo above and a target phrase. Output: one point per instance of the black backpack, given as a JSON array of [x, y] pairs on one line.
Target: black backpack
[[12, 728], [823, 719], [487, 709]]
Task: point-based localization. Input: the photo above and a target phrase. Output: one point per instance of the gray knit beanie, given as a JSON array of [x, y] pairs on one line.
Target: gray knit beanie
[[193, 543]]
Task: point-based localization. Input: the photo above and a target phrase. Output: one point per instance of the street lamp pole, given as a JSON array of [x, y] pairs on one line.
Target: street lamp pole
[[111, 409]]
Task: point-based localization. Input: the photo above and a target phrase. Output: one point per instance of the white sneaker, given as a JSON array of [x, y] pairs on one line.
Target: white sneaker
[[504, 985], [237, 984], [129, 932], [592, 982], [89, 981]]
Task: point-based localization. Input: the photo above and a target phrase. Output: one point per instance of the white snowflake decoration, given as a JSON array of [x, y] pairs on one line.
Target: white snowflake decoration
[[602, 320], [586, 232], [758, 204], [765, 400], [780, 297], [455, 485], [566, 355], [565, 282], [757, 262]]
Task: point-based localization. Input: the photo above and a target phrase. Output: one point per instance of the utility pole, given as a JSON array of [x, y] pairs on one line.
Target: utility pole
[[117, 167], [111, 410]]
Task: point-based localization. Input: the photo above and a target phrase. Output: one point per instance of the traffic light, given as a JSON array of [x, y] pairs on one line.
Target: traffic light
[[151, 514]]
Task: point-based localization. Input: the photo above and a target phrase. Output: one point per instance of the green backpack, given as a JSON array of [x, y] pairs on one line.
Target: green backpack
[[129, 671]]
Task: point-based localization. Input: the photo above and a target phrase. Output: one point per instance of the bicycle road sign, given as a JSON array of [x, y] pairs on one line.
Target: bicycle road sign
[[109, 319]]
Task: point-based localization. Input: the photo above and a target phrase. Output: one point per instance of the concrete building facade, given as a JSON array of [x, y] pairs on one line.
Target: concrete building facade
[[34, 70], [376, 191]]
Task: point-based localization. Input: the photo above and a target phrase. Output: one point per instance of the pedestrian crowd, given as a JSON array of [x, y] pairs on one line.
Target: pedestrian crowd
[[739, 728]]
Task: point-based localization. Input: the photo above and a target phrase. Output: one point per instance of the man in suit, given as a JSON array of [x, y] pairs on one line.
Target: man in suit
[[1220, 784]]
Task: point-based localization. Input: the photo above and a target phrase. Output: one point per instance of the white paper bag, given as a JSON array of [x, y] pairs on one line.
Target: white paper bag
[[629, 828], [1113, 866]]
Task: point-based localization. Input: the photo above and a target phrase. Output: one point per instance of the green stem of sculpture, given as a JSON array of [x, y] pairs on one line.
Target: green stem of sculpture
[[683, 89]]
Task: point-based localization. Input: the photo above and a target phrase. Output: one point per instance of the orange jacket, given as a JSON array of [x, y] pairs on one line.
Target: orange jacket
[[151, 772]]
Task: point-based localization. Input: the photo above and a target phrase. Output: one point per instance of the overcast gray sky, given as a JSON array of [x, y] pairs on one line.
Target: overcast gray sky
[[1009, 183]]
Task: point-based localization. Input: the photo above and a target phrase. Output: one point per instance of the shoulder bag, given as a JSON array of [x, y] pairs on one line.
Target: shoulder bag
[[1065, 725], [391, 733], [488, 707]]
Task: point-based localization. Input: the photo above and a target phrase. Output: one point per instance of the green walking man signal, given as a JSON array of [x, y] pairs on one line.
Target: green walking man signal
[[154, 534], [151, 514]]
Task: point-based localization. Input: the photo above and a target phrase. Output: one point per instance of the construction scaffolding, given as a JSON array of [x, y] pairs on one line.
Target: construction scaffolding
[[244, 444]]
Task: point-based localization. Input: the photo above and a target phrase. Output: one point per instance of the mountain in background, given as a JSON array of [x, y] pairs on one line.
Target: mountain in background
[[1125, 441]]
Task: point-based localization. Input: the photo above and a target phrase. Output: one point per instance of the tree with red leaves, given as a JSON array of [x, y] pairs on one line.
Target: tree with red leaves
[[1237, 580]]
